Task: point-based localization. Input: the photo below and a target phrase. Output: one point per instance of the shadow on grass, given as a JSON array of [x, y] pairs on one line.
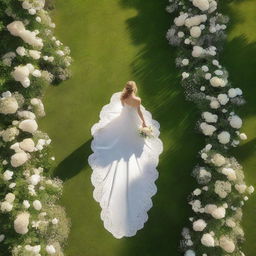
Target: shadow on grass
[[74, 163]]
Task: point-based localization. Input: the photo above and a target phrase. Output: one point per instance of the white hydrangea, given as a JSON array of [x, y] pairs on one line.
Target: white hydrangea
[[241, 188], [6, 206], [243, 136], [222, 188], [28, 125], [17, 28], [209, 117], [207, 129], [10, 134], [50, 249], [25, 114], [217, 82], [37, 205], [214, 104], [199, 225], [235, 122], [190, 253], [34, 179], [21, 223], [223, 98], [230, 173], [19, 159], [198, 51], [8, 105], [219, 213], [10, 197], [208, 240], [203, 5], [21, 51], [21, 74], [7, 175], [26, 204], [218, 159], [35, 54], [227, 244], [195, 20], [195, 31], [27, 145], [224, 137], [180, 20], [230, 222]]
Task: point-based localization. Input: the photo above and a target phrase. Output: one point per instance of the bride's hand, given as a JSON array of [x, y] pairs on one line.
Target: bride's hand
[[144, 125]]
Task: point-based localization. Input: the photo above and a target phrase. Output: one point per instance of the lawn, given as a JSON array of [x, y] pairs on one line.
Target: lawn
[[113, 41]]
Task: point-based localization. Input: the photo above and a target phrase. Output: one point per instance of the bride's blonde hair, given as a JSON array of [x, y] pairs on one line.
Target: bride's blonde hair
[[129, 88]]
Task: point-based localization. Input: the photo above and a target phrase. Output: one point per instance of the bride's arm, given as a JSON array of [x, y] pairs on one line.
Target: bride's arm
[[141, 116]]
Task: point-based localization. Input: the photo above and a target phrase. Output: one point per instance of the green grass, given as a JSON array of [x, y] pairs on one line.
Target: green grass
[[113, 41]]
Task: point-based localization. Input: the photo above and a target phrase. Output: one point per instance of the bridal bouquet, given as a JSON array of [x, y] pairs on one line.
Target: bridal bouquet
[[146, 132]]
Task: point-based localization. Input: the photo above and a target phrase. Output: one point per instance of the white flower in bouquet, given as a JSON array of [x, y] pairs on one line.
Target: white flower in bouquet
[[207, 240], [8, 105], [199, 225], [190, 253], [207, 129], [28, 125], [204, 175], [2, 237], [198, 51], [181, 34], [12, 185], [50, 249], [196, 205], [241, 188], [219, 213], [146, 132], [10, 134], [19, 159], [195, 20], [209, 117], [217, 82], [34, 179], [203, 5], [26, 204], [235, 121], [208, 76], [205, 68], [10, 197], [37, 205], [27, 145], [180, 20], [35, 54], [243, 136], [230, 173], [36, 73], [21, 223], [21, 51], [224, 137], [16, 147], [239, 92], [6, 206], [227, 244], [7, 175], [195, 31], [223, 98], [218, 159], [38, 107], [17, 28], [213, 6]]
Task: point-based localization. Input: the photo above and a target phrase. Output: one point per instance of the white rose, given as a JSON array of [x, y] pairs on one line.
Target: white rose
[[6, 206], [26, 204], [243, 136], [203, 5], [197, 52], [37, 205], [180, 20], [217, 82], [21, 223], [34, 179], [227, 244], [7, 175], [207, 129], [10, 197], [21, 51], [223, 98], [27, 145], [218, 159], [219, 213], [21, 74], [230, 173], [19, 159], [8, 105], [35, 54], [209, 117]]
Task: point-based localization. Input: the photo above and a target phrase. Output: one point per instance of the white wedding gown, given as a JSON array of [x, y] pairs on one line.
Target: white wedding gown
[[124, 167]]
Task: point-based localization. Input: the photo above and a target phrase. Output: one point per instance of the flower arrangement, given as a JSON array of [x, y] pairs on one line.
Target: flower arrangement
[[30, 59], [199, 31], [146, 132]]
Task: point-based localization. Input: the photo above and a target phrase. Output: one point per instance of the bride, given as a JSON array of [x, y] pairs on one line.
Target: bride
[[124, 162]]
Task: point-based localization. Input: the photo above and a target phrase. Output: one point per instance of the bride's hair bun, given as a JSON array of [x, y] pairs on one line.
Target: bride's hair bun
[[128, 89]]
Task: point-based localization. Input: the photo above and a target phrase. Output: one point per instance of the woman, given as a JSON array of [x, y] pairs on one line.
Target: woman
[[124, 163]]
